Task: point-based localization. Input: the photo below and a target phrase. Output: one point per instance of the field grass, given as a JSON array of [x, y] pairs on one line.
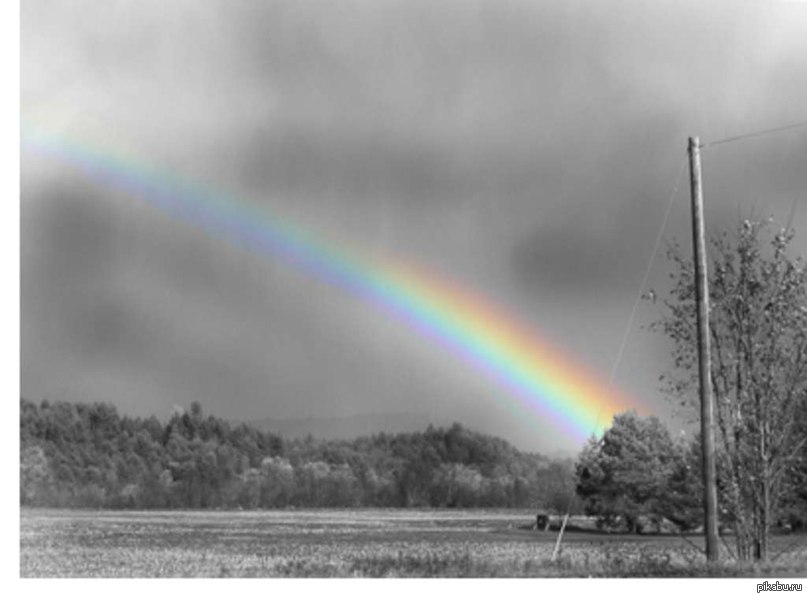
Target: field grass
[[356, 543]]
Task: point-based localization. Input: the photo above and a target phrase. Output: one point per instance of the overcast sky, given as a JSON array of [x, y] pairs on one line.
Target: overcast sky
[[525, 148]]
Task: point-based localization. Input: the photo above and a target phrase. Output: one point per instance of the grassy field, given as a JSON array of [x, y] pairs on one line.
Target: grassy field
[[355, 543]]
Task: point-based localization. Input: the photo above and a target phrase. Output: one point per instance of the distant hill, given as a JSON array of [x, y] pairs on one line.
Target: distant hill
[[346, 428]]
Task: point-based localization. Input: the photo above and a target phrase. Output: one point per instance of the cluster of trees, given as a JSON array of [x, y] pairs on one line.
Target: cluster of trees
[[758, 330], [78, 455], [637, 473]]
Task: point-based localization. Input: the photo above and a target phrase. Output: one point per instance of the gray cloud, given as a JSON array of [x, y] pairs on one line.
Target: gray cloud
[[526, 149]]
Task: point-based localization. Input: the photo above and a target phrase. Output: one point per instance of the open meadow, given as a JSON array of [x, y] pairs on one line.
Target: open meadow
[[356, 543]]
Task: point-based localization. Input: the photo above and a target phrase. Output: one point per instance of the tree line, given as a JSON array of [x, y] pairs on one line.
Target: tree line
[[89, 456]]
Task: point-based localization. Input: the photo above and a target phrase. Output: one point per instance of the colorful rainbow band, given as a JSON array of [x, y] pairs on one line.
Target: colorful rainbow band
[[476, 330]]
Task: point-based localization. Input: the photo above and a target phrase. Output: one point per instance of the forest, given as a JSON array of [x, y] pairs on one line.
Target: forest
[[89, 456]]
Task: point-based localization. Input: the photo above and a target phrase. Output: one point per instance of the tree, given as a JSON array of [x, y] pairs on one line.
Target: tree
[[35, 476], [557, 494], [758, 330], [278, 482], [81, 455], [795, 501], [624, 475], [682, 501]]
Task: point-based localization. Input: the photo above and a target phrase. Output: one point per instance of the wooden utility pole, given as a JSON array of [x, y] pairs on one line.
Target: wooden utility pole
[[704, 359]]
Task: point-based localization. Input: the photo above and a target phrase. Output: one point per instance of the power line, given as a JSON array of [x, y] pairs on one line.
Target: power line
[[659, 236], [626, 335], [756, 134], [645, 278]]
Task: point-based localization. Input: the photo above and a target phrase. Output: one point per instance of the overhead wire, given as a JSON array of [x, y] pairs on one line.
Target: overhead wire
[[646, 276], [797, 125], [639, 295], [631, 318]]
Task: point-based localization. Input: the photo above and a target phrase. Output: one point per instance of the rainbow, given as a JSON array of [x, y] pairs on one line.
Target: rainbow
[[469, 326]]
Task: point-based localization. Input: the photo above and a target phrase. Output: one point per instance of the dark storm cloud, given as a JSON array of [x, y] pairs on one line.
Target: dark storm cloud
[[522, 105], [527, 148], [122, 304]]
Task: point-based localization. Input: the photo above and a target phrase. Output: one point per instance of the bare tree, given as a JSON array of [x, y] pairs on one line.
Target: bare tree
[[758, 328]]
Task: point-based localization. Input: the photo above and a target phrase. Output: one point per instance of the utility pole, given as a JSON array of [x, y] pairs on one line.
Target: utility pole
[[704, 358]]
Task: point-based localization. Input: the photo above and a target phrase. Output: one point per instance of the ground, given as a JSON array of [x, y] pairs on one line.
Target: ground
[[356, 543]]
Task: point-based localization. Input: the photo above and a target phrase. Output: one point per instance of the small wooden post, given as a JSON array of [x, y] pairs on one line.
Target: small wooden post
[[704, 358]]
